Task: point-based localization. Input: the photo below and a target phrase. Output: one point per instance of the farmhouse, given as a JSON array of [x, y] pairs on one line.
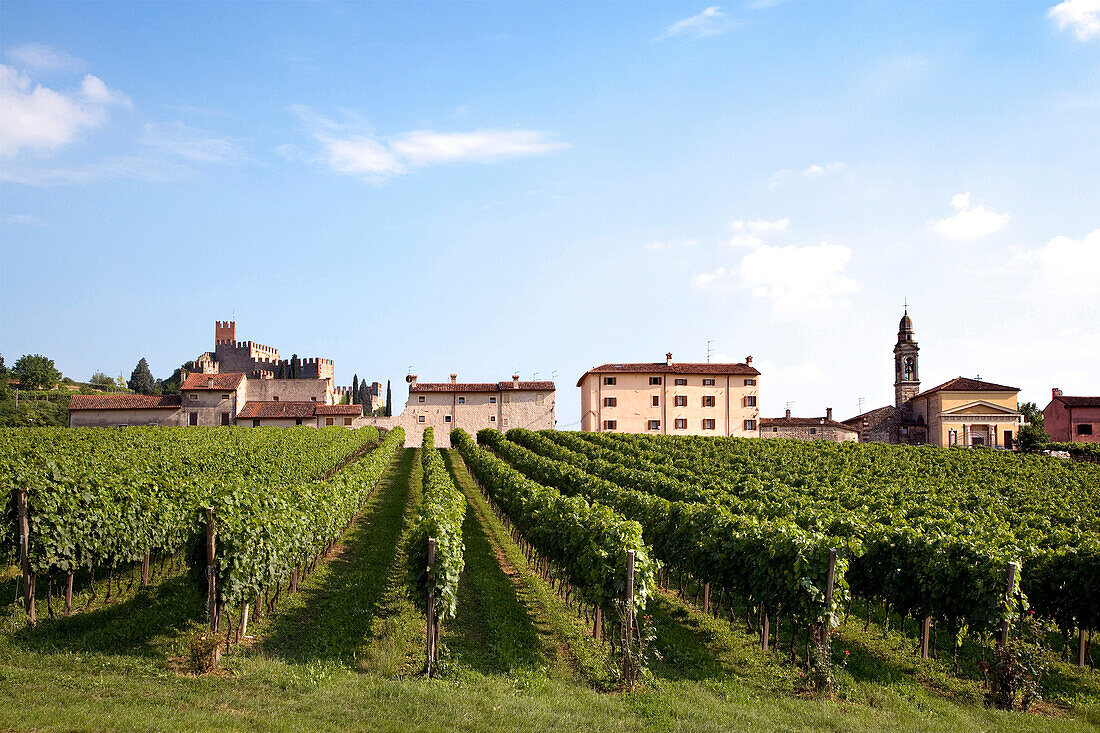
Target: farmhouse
[[670, 398], [1072, 419], [808, 428]]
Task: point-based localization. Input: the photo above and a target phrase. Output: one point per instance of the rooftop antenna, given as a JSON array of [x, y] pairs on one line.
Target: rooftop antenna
[[709, 349], [859, 405], [905, 302], [410, 370], [535, 377], [789, 403], [554, 375]]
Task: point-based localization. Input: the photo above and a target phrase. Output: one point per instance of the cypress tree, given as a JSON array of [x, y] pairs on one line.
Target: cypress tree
[[355, 390], [141, 379], [364, 395], [293, 366], [389, 397], [282, 370]]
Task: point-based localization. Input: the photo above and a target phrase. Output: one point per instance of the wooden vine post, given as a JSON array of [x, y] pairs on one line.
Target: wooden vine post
[[432, 630], [23, 527], [925, 633], [1081, 645], [706, 598], [211, 576], [830, 577], [764, 632], [629, 635], [145, 570], [1010, 582]]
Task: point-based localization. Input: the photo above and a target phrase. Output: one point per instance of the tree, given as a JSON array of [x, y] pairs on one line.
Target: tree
[[1031, 437], [34, 371], [4, 388], [364, 395], [389, 396], [355, 390], [141, 379], [172, 384], [282, 370], [99, 379], [3, 368], [293, 367]]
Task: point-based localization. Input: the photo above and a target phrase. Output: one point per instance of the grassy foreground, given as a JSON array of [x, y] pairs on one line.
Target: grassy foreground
[[343, 654]]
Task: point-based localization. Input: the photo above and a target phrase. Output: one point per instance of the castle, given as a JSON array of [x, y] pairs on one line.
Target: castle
[[256, 360]]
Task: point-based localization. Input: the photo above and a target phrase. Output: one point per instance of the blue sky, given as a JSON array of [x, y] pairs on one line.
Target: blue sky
[[481, 188]]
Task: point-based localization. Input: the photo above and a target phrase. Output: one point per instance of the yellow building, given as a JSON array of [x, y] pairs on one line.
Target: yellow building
[[962, 411], [671, 398]]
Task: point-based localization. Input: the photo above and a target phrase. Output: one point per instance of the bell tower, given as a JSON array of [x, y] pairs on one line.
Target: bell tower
[[906, 354]]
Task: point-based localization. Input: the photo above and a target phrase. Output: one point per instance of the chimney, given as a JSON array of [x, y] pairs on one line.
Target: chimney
[[1055, 392], [210, 383], [668, 359], [183, 376], [411, 379], [788, 412], [828, 413], [515, 381], [454, 378], [748, 360]]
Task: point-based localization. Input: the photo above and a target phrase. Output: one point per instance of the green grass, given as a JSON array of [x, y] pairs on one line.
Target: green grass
[[346, 651]]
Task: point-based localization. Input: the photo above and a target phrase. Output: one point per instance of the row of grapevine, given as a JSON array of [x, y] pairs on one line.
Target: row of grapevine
[[434, 576], [588, 542], [774, 565], [262, 536]]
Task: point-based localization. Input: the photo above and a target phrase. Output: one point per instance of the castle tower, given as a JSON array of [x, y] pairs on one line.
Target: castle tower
[[906, 376], [225, 331]]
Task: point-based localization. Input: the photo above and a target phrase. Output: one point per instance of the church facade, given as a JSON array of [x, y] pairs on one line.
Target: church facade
[[962, 411]]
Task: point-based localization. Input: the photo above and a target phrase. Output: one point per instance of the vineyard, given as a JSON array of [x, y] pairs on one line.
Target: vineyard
[[536, 569]]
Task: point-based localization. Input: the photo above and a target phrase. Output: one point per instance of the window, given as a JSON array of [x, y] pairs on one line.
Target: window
[[462, 400], [312, 399], [708, 382], [506, 398], [193, 397], [775, 430], [420, 418], [255, 423], [681, 400], [654, 380], [492, 400], [504, 422], [610, 424], [655, 401], [750, 425], [225, 418], [492, 418], [329, 421], [681, 382], [708, 423], [609, 381], [708, 401], [539, 397], [654, 425], [420, 398], [750, 382], [610, 401], [1084, 428], [681, 423], [225, 397], [347, 421], [446, 418], [813, 431], [905, 430], [275, 398], [750, 401], [123, 425], [298, 421], [192, 418]]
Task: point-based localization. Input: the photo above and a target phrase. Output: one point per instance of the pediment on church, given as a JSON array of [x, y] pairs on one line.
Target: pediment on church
[[980, 407]]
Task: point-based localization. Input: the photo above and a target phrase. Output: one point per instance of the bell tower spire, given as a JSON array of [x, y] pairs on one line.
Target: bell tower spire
[[906, 355]]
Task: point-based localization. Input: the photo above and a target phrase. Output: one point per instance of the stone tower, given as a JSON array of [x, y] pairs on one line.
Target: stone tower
[[906, 376]]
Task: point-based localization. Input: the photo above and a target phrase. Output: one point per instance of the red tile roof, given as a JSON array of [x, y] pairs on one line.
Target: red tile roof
[[257, 410], [965, 384], [339, 410], [480, 387], [803, 422], [1079, 401], [124, 402], [229, 380], [660, 367]]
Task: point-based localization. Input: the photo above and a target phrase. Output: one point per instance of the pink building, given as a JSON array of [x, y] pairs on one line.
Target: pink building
[[1075, 419]]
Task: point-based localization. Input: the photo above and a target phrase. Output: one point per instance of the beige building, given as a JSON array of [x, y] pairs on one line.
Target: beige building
[[471, 406], [961, 411], [808, 428], [671, 398]]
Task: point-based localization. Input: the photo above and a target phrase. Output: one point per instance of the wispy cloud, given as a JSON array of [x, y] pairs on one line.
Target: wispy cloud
[[349, 150], [23, 220], [40, 57], [818, 169], [971, 222], [1083, 16], [704, 280], [710, 22], [39, 118], [671, 244], [750, 233], [190, 143], [156, 169], [798, 279]]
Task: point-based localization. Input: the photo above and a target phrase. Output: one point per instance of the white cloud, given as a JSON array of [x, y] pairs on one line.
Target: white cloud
[[38, 118], [1065, 264], [1082, 15], [704, 280], [24, 219], [817, 169], [190, 143], [377, 158], [750, 233], [798, 279], [672, 244], [38, 56], [710, 22], [972, 221]]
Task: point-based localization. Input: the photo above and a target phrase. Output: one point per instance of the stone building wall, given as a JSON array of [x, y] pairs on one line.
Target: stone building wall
[[116, 418]]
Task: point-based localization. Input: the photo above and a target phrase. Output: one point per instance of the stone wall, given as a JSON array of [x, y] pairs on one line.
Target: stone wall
[[115, 418], [827, 433]]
